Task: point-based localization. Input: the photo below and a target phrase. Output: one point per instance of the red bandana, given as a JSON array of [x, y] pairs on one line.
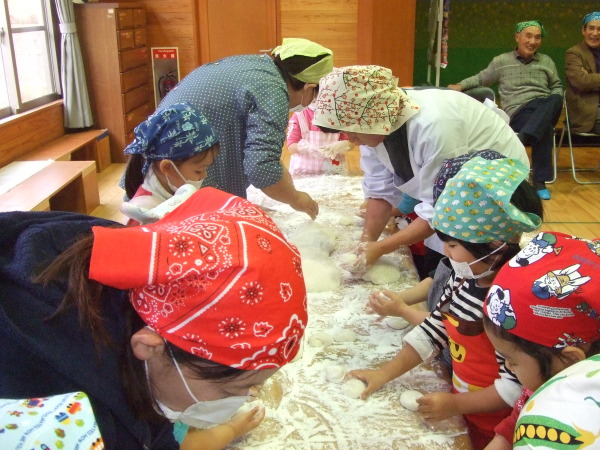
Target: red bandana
[[549, 293], [215, 277]]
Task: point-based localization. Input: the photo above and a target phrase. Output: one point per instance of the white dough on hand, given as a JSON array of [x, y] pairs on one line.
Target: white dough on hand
[[345, 335], [353, 387], [347, 259], [408, 399], [397, 323], [320, 339]]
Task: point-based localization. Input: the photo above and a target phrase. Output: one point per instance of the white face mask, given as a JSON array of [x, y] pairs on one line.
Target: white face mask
[[196, 184], [299, 107], [202, 414], [463, 269]]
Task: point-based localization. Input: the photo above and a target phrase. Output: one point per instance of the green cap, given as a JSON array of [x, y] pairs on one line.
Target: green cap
[[303, 47]]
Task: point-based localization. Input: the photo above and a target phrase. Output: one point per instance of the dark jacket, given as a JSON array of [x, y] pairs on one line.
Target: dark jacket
[[583, 87], [42, 357]]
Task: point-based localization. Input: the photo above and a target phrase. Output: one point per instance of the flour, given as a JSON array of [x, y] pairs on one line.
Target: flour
[[305, 405]]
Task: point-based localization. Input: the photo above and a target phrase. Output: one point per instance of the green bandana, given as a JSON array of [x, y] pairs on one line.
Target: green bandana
[[303, 47], [530, 23], [475, 204]]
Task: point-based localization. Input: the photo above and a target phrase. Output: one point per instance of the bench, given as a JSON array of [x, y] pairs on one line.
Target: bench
[[89, 145], [52, 185]]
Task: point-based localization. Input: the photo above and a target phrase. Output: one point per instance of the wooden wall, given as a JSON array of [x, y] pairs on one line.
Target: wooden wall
[[24, 132]]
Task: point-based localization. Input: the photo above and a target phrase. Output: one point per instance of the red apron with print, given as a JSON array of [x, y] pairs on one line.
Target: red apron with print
[[474, 365]]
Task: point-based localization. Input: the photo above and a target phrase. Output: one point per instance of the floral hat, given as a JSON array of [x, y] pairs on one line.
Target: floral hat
[[549, 293], [177, 132], [362, 99], [215, 277], [475, 204]]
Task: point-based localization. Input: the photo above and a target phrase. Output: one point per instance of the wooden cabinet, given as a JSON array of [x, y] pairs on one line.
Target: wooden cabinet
[[117, 65]]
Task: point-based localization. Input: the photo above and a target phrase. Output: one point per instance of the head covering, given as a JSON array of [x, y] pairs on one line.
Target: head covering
[[362, 99], [530, 23], [303, 47], [215, 277], [475, 204], [564, 412], [549, 294], [589, 17], [177, 132], [451, 166]]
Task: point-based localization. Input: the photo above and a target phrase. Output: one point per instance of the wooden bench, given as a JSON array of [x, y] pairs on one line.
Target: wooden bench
[[89, 145], [59, 186]]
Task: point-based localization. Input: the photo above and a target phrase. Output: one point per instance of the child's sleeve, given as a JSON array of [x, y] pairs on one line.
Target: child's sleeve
[[507, 385], [294, 133]]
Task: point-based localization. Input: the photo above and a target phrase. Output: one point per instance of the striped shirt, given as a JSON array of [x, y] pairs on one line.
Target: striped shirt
[[466, 303], [518, 81]]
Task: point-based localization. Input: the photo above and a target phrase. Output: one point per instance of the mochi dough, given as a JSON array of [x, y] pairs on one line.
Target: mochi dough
[[382, 273], [334, 373], [345, 335], [353, 387], [320, 274], [397, 323], [320, 339], [408, 399], [347, 259]]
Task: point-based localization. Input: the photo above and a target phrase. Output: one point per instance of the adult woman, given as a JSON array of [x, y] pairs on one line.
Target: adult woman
[[150, 322], [247, 99]]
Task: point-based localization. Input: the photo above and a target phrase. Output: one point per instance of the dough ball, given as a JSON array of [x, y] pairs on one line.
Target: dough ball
[[408, 399], [353, 387], [345, 335], [382, 274], [313, 235], [347, 259], [346, 220], [334, 372], [397, 323], [321, 274], [320, 339]]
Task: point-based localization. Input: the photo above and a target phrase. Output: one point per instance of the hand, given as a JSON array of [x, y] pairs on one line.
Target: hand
[[335, 149], [243, 422], [306, 147], [455, 87], [372, 252], [438, 406], [373, 378], [387, 303], [304, 203]]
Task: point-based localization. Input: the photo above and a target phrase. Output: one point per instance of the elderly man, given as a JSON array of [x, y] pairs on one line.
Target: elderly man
[[404, 138], [530, 93], [582, 70]]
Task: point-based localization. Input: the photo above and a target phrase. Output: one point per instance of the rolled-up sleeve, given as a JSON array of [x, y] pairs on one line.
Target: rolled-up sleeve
[[378, 181]]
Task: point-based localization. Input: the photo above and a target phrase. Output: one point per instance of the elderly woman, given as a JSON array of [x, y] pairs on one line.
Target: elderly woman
[[247, 100], [173, 321], [405, 136]]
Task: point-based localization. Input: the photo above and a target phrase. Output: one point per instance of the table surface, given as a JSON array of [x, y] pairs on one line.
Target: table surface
[[306, 411]]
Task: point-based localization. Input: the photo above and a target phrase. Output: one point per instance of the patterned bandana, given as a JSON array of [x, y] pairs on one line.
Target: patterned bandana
[[475, 204], [530, 23], [589, 17], [303, 47], [549, 293], [215, 277], [177, 132], [362, 99], [451, 166]]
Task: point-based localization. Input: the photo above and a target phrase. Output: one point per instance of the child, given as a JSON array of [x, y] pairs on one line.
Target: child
[[542, 318], [172, 149], [479, 216], [312, 150]]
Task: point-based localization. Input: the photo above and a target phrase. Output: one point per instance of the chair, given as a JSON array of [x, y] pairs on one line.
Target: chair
[[595, 138]]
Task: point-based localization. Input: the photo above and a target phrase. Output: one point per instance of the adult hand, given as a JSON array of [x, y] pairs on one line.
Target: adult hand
[[304, 203], [438, 406], [387, 303], [372, 252], [337, 148], [373, 378], [455, 87]]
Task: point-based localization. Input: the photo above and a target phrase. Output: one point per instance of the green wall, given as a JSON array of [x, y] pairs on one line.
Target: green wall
[[480, 30]]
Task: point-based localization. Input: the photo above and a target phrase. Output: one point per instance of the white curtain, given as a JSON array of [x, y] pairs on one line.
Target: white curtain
[[78, 113]]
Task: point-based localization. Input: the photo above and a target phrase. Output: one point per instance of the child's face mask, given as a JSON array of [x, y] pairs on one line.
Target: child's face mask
[[196, 184], [463, 269]]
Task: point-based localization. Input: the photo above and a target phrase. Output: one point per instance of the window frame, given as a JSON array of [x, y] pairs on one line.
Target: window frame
[[9, 63]]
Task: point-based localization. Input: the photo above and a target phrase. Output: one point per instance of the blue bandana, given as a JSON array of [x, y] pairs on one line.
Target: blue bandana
[[177, 132], [589, 17]]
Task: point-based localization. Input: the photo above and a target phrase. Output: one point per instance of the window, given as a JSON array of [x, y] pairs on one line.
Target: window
[[29, 75]]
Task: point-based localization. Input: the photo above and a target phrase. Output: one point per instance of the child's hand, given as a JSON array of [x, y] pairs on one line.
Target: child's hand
[[387, 303], [245, 421], [374, 379], [437, 406]]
